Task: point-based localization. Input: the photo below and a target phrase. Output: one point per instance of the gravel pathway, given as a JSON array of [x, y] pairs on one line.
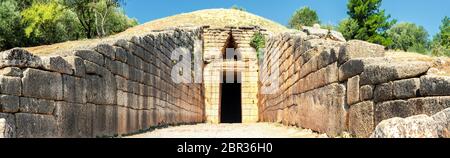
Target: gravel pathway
[[255, 130]]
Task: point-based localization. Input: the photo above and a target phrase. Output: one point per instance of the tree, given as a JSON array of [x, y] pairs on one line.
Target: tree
[[10, 30], [95, 15], [441, 42], [303, 17], [348, 27], [49, 22], [408, 37], [371, 21]]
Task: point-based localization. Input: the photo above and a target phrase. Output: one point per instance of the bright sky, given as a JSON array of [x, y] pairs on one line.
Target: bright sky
[[427, 13]]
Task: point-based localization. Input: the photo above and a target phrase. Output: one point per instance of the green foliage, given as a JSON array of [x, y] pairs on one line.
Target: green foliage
[[258, 42], [25, 23], [441, 42], [303, 17], [371, 22], [236, 7], [9, 29], [348, 27], [50, 22], [408, 37]]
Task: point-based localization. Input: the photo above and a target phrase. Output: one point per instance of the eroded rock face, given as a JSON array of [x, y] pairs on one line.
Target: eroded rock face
[[420, 126]]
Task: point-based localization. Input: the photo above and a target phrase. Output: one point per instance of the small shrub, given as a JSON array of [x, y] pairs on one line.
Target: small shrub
[[238, 8], [258, 42]]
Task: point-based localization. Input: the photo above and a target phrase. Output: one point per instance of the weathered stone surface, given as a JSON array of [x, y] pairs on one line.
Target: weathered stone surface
[[74, 89], [322, 113], [420, 126], [361, 117], [105, 121], [91, 56], [57, 64], [324, 33], [442, 120], [37, 106], [95, 69], [3, 127], [74, 120], [10, 85], [77, 65], [430, 105], [18, 57], [42, 84], [107, 50], [353, 90], [9, 126], [11, 71], [434, 85], [366, 92], [408, 88], [121, 54], [101, 89], [396, 108], [385, 72], [384, 92], [360, 49], [9, 103], [35, 125], [355, 67]]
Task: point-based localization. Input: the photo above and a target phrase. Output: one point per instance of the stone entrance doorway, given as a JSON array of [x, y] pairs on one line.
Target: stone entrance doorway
[[231, 102]]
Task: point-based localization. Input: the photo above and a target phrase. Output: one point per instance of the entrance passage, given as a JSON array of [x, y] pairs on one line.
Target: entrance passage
[[231, 102]]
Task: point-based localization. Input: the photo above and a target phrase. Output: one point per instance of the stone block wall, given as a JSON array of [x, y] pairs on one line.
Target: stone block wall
[[117, 87], [334, 87]]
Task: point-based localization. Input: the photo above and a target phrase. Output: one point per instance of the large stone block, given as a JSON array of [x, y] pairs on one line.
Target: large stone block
[[91, 56], [353, 90], [92, 68], [323, 109], [37, 106], [384, 92], [42, 84], [18, 57], [9, 127], [74, 89], [35, 126], [442, 120], [57, 64], [75, 120], [430, 105], [408, 88], [10, 85], [396, 108], [107, 50], [105, 121], [435, 86], [360, 49], [354, 67], [11, 71], [101, 89], [420, 126], [121, 54], [77, 65], [361, 117], [366, 92], [389, 71]]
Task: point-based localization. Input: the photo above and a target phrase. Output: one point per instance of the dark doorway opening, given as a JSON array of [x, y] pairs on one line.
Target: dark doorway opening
[[231, 100]]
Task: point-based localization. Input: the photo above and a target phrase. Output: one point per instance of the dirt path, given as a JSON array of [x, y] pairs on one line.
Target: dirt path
[[256, 130]]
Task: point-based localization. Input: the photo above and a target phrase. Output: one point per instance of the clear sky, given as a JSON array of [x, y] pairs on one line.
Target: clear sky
[[427, 13]]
